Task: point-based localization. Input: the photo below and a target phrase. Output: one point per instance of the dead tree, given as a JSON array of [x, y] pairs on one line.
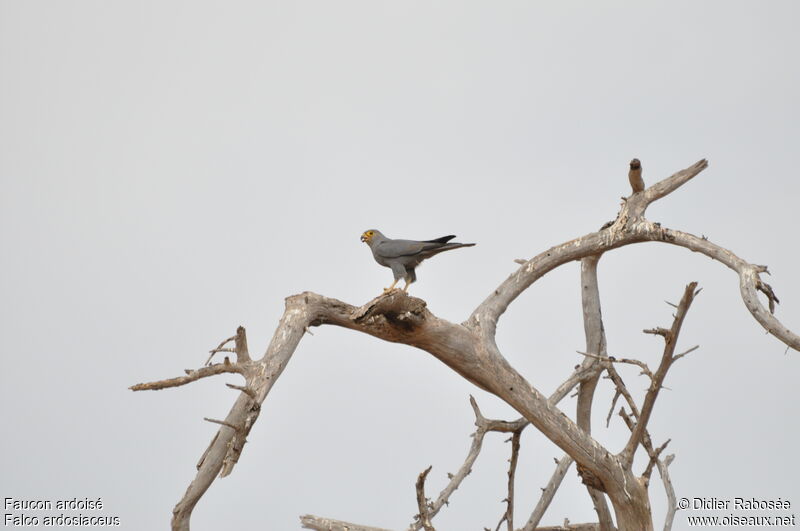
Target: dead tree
[[469, 348]]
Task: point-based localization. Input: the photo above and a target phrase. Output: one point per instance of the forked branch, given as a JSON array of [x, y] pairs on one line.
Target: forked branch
[[470, 350]]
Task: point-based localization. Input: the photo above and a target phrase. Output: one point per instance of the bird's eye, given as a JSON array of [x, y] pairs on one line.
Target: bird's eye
[[369, 233]]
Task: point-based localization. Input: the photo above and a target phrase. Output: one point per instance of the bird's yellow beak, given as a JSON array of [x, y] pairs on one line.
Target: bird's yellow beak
[[365, 237]]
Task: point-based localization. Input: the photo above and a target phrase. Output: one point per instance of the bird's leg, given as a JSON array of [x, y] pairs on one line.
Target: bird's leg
[[405, 288], [390, 288]]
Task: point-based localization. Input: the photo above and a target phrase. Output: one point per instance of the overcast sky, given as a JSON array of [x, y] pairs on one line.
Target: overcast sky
[[170, 170]]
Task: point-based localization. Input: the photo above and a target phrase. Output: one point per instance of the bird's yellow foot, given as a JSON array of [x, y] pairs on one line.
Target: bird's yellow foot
[[390, 288]]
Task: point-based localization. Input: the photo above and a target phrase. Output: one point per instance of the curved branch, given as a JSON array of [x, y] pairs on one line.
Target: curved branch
[[631, 227], [616, 235], [596, 344], [422, 501], [471, 351]]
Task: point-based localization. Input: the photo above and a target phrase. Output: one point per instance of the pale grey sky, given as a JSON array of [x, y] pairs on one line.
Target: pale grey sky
[[170, 170]]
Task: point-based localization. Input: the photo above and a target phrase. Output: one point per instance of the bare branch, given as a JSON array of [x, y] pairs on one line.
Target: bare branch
[[682, 354], [675, 181], [617, 394], [470, 349], [623, 390], [457, 478], [581, 372], [672, 504], [621, 232], [512, 469], [595, 343], [193, 375], [547, 494], [631, 227], [309, 521], [242, 354], [223, 423], [654, 458], [422, 502], [220, 348], [654, 455], [670, 340], [248, 391], [484, 426], [647, 442], [607, 360]]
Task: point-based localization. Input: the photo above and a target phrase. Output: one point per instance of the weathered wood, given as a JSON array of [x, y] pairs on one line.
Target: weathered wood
[[470, 350]]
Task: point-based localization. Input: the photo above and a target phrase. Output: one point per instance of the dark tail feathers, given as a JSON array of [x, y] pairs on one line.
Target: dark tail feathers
[[443, 239]]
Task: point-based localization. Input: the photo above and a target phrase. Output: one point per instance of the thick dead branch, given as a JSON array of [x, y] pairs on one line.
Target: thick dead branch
[[631, 227], [470, 350]]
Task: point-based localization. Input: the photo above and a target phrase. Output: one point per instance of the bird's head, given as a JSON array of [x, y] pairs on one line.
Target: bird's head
[[635, 164], [367, 235]]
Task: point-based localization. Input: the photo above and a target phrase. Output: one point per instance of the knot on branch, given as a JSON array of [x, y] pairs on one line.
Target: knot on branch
[[394, 308], [589, 479]]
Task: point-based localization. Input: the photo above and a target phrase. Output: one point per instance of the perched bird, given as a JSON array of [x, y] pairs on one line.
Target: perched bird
[[402, 256], [635, 176]]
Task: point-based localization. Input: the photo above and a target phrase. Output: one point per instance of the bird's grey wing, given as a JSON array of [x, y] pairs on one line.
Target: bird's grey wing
[[398, 248]]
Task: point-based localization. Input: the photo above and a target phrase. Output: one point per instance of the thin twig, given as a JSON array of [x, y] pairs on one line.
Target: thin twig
[[617, 394], [682, 354], [223, 423], [622, 388], [654, 455], [220, 348], [246, 390], [607, 360], [193, 375]]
